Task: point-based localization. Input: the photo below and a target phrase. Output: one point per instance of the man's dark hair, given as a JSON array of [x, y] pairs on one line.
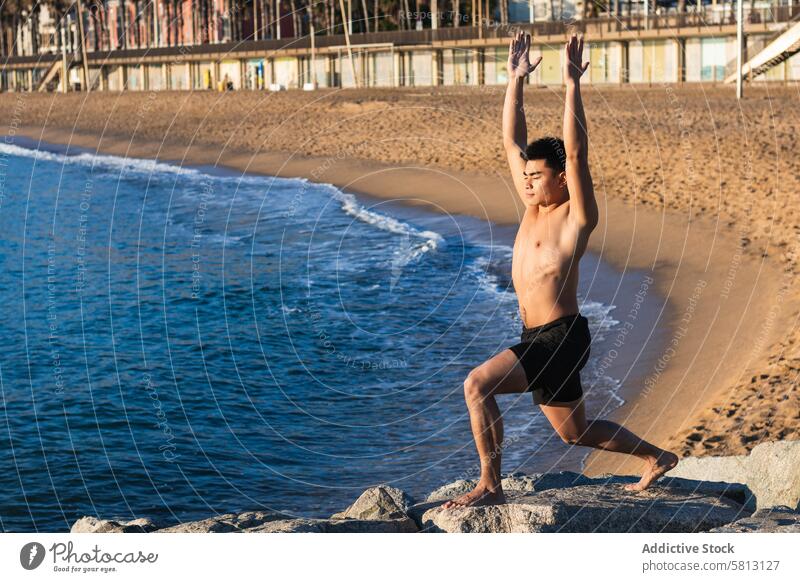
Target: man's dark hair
[[549, 149]]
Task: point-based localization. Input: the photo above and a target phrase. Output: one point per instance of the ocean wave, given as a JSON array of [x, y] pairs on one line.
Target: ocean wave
[[137, 165], [492, 269], [407, 252], [144, 166]]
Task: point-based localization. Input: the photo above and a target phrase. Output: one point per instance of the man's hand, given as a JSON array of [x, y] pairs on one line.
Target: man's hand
[[519, 64], [573, 69]]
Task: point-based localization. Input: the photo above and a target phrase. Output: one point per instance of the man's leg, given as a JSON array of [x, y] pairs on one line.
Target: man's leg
[[501, 374], [569, 421]]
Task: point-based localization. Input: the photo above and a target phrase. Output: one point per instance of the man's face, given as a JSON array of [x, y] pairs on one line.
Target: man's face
[[543, 185]]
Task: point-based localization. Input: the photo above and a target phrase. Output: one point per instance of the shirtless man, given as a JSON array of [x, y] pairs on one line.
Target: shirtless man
[[552, 178]]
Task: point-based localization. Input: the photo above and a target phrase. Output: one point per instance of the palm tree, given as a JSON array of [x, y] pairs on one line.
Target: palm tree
[[11, 13], [296, 20], [365, 16]]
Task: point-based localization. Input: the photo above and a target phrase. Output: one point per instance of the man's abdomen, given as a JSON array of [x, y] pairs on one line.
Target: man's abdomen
[[545, 301]]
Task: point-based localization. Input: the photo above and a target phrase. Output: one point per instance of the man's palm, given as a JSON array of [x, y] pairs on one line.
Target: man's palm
[[519, 64], [574, 66]]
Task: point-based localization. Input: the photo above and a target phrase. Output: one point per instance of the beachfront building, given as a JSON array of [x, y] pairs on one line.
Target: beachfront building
[[145, 45]]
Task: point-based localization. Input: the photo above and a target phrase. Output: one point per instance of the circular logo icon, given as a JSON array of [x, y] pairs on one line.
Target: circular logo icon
[[31, 555]]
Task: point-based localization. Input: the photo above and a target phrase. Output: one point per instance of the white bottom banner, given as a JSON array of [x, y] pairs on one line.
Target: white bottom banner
[[389, 557]]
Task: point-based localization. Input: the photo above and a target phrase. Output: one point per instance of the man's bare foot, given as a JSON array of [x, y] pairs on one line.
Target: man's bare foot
[[654, 470], [480, 496]]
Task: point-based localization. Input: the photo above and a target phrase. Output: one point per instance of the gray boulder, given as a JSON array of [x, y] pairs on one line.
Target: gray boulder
[[381, 509], [381, 502], [589, 508], [771, 473], [734, 491], [777, 519], [513, 482], [543, 481], [774, 474], [89, 524]]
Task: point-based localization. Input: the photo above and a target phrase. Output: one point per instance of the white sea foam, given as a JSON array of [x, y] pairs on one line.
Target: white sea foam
[[216, 239], [143, 166], [494, 260], [408, 251], [430, 240], [138, 165]]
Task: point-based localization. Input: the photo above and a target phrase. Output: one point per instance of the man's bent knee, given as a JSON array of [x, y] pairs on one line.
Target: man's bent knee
[[476, 388]]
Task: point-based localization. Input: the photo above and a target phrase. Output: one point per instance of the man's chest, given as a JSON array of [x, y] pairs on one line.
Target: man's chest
[[541, 248]]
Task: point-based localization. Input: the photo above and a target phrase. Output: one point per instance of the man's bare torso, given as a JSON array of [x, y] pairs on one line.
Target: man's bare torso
[[544, 268]]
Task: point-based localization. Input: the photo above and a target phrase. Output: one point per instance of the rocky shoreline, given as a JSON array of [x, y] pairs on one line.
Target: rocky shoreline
[[759, 492]]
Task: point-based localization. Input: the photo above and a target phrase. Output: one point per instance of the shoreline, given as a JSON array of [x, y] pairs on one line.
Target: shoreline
[[687, 257]]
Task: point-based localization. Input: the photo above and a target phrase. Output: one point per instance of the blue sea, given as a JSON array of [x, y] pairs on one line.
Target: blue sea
[[180, 342]]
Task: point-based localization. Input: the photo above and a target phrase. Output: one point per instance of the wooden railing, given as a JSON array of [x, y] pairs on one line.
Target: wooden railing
[[606, 23]]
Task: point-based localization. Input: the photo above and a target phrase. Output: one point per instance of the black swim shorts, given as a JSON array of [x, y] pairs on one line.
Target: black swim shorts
[[552, 356]]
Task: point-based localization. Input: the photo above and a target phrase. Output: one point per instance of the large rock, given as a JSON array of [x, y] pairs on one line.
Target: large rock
[[90, 524], [513, 482], [589, 508], [773, 520], [774, 474], [381, 502], [771, 472], [734, 491], [544, 481], [383, 505]]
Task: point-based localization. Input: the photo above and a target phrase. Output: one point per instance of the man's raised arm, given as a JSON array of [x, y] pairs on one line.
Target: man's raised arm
[[583, 206], [514, 129]]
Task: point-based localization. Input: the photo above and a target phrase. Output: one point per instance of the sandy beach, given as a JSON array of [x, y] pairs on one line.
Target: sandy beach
[[692, 188]]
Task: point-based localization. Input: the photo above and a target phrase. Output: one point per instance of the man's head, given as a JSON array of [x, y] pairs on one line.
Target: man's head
[[545, 176]]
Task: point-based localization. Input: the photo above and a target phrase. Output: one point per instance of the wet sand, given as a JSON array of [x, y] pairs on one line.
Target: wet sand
[[693, 191]]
